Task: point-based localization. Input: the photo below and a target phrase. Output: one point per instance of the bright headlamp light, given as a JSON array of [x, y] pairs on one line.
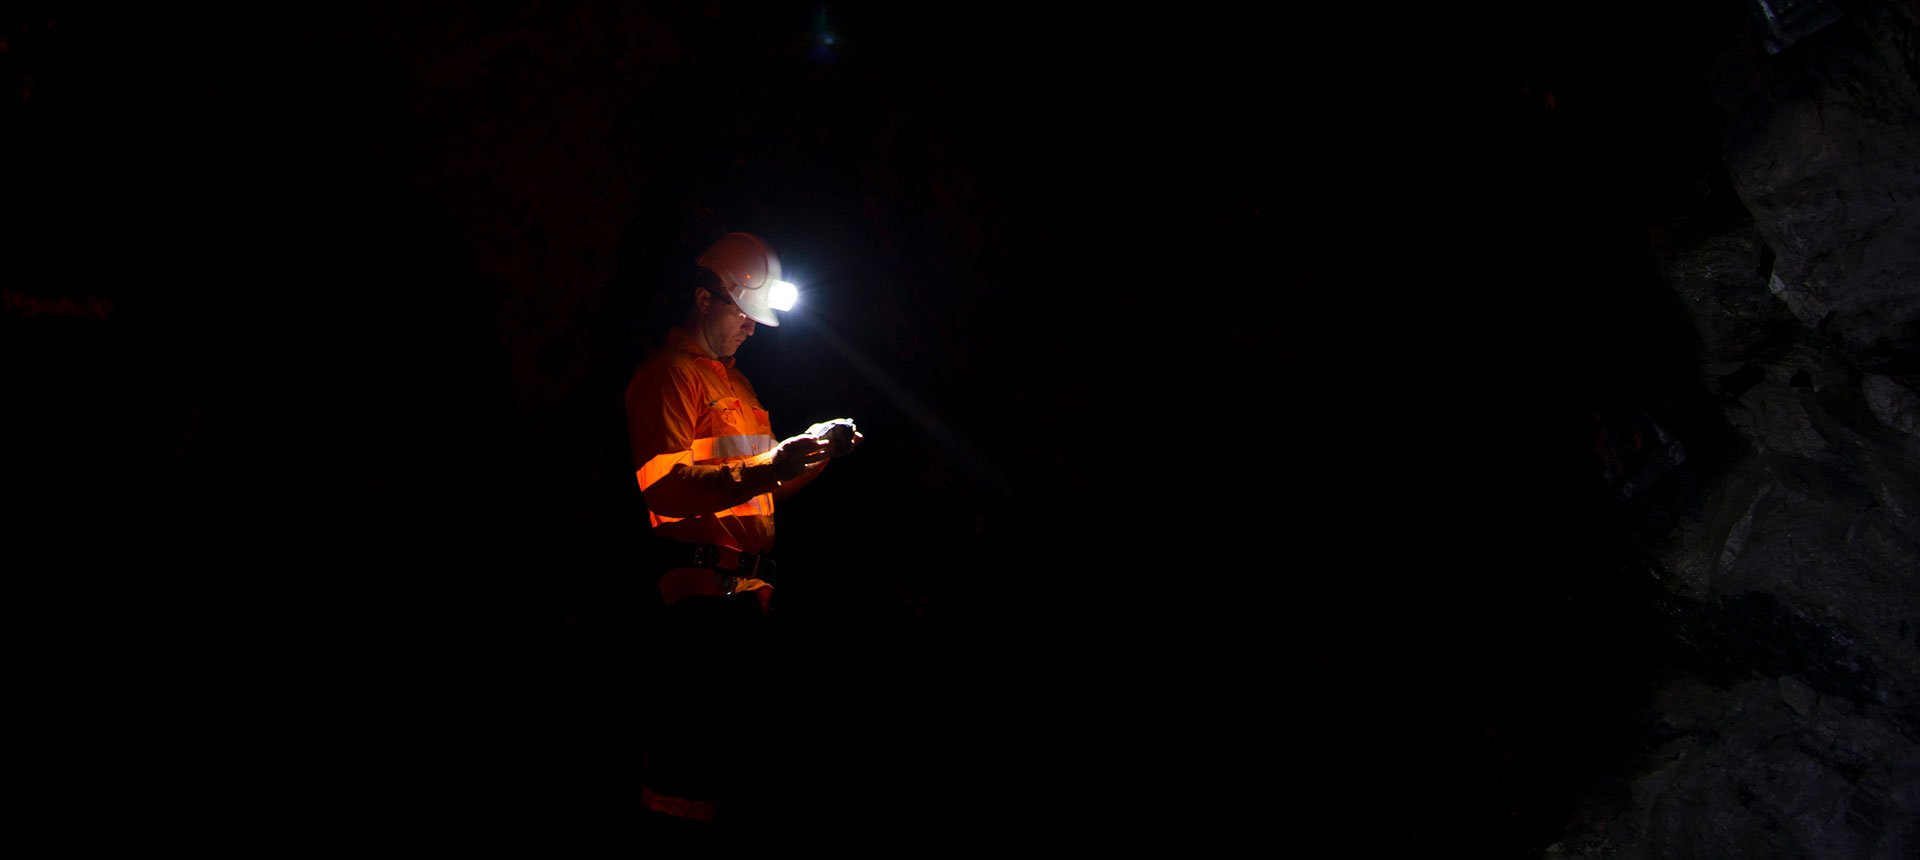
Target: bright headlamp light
[[781, 295]]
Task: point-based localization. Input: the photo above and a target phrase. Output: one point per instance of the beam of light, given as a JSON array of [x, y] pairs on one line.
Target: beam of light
[[1024, 509], [916, 411]]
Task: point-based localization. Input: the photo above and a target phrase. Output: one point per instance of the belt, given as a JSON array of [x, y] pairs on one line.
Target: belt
[[724, 559]]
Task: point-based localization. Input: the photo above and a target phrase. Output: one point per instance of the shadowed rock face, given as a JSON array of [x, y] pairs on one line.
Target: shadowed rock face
[[1788, 582]]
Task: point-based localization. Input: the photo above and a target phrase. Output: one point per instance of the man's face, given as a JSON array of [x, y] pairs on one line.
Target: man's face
[[723, 325]]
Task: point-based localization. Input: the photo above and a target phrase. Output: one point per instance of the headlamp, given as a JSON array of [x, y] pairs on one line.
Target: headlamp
[[781, 295]]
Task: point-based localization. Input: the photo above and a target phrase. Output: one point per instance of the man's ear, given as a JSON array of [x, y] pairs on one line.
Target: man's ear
[[701, 299]]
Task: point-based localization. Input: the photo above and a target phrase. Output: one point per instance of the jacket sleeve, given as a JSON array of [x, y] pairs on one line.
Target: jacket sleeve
[[663, 407]]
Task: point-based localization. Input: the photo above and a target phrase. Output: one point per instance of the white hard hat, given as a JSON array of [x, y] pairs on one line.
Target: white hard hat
[[750, 271]]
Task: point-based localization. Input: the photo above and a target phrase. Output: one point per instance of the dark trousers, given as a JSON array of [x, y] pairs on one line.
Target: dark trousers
[[702, 701]]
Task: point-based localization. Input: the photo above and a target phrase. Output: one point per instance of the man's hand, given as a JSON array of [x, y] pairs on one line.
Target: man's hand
[[840, 433], [796, 454]]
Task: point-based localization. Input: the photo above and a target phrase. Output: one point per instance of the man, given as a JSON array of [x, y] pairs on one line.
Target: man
[[708, 466]]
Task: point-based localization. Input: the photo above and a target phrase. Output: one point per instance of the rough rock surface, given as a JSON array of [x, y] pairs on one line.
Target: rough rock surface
[[1788, 723]]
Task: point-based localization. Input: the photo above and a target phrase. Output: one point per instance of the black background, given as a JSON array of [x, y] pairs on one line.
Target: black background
[[1227, 381]]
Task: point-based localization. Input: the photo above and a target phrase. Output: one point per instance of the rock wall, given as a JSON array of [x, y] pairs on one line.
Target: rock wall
[[1787, 720]]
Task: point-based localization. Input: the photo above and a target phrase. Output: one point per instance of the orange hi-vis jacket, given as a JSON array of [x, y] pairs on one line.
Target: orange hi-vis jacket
[[695, 423]]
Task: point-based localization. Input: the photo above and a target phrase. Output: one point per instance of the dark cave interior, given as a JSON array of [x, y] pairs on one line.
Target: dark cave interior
[[1231, 386]]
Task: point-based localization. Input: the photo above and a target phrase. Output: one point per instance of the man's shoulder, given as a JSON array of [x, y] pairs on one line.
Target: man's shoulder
[[664, 365], [668, 351], [669, 369]]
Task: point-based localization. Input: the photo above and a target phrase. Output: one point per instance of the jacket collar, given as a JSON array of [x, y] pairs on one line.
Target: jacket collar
[[681, 340]]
